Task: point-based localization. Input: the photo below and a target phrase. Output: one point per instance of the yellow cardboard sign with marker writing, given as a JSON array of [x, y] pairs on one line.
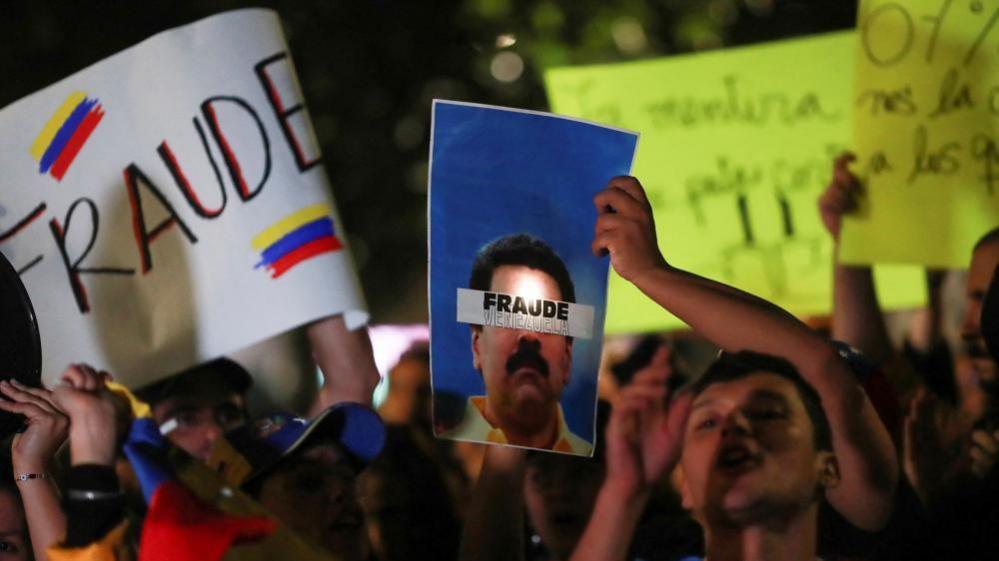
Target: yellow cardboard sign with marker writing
[[736, 147], [926, 129]]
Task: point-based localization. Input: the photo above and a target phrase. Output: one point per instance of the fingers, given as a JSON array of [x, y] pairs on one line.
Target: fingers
[[986, 442], [19, 395], [84, 377], [40, 393], [841, 195], [625, 422], [632, 187], [841, 170], [610, 241], [610, 222], [838, 200], [982, 461], [29, 410], [658, 370], [602, 244], [619, 201], [653, 392], [679, 412]]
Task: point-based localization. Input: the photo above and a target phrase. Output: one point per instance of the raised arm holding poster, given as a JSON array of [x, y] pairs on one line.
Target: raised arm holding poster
[[736, 147], [169, 204], [517, 298], [926, 126]]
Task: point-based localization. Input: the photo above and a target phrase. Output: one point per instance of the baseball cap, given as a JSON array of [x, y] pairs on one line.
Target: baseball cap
[[225, 370], [261, 444]]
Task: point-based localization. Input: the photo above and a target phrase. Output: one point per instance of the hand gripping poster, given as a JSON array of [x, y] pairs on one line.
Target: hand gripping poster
[[169, 205], [517, 298]]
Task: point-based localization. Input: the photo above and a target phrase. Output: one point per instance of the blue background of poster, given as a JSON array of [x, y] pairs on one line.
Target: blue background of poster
[[496, 172]]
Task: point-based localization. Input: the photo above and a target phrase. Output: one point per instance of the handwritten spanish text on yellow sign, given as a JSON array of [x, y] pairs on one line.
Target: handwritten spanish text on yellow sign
[[926, 114], [736, 147]]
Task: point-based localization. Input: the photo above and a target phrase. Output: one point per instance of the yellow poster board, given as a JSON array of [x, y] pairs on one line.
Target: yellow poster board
[[735, 148], [926, 127]]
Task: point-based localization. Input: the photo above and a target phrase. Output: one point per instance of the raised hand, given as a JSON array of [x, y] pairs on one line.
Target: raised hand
[[32, 450], [626, 229], [92, 410], [984, 452], [646, 429], [840, 196], [931, 448]]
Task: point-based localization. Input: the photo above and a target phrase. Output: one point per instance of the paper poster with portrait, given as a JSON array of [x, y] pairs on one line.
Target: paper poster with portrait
[[517, 298]]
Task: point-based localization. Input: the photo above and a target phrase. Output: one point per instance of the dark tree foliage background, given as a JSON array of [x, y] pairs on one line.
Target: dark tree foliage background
[[370, 68]]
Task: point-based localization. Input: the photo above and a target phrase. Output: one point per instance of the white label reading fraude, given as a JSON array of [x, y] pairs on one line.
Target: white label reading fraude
[[517, 312]]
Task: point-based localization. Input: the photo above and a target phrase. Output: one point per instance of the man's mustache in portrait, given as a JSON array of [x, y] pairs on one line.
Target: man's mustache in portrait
[[528, 355]]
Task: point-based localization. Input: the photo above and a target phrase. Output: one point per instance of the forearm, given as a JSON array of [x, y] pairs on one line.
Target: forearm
[[612, 525], [494, 529], [46, 521], [868, 465], [732, 319], [857, 317], [346, 360], [736, 321]]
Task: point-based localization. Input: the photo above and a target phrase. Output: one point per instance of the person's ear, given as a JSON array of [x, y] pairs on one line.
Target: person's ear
[[680, 482], [829, 474], [476, 332]]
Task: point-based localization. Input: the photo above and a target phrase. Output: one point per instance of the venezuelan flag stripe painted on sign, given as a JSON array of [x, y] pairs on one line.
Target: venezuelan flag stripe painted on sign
[[295, 238], [65, 133]]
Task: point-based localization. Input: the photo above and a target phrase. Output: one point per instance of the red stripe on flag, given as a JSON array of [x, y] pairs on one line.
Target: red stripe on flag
[[311, 249], [76, 142], [181, 527]]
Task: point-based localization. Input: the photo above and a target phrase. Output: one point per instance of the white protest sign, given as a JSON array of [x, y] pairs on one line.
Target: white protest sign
[[169, 204]]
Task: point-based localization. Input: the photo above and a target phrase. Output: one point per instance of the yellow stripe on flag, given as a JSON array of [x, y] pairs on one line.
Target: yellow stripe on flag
[[281, 228], [52, 127]]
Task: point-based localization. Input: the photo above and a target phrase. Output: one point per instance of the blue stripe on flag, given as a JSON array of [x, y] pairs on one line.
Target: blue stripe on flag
[[298, 237]]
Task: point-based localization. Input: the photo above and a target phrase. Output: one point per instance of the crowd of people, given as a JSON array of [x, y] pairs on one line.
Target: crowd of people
[[794, 444]]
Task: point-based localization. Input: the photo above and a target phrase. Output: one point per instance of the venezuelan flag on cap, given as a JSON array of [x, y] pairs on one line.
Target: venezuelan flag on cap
[[301, 235], [65, 133]]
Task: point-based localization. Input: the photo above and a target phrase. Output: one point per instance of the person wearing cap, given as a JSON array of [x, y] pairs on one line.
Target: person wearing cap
[[305, 472], [196, 406]]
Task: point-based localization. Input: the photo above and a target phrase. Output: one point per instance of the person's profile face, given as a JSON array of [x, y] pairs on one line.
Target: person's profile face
[[13, 530], [314, 493], [524, 371], [749, 451], [983, 265]]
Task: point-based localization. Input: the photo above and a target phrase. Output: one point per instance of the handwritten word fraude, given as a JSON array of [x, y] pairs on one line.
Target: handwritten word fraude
[[497, 309]]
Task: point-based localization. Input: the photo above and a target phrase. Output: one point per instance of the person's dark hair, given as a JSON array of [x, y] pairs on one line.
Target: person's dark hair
[[989, 237], [420, 350], [525, 250], [734, 366]]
